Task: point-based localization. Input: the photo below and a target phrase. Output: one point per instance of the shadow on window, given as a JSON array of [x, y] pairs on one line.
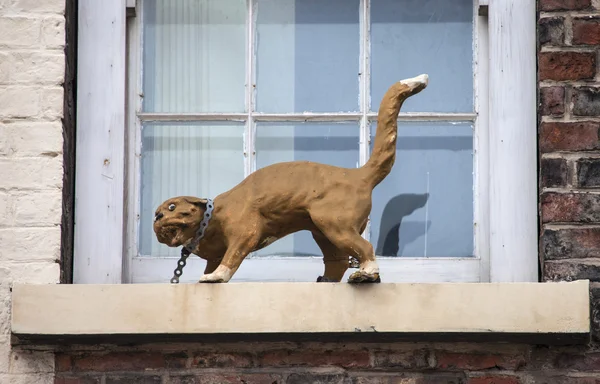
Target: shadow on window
[[398, 207]]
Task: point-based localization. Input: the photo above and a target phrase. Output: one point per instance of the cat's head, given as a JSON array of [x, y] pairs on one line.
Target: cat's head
[[177, 219]]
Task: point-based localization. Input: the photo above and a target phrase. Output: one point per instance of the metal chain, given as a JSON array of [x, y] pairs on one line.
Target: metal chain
[[187, 250], [180, 264]]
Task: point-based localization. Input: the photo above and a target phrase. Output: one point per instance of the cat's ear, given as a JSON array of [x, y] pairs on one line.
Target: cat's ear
[[197, 201]]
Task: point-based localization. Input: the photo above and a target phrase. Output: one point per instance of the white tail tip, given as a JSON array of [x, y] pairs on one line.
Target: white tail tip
[[416, 81]]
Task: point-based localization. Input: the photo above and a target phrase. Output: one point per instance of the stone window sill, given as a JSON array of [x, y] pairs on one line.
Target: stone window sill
[[552, 313]]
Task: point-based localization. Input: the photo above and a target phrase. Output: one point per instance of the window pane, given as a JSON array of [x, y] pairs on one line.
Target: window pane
[[194, 55], [307, 55], [411, 37], [424, 208], [328, 143], [199, 159]]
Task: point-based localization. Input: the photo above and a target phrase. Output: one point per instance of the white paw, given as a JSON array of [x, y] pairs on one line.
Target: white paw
[[210, 278], [221, 275], [370, 267]]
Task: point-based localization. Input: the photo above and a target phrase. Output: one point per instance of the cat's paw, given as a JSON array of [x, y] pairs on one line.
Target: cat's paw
[[360, 277], [221, 275], [211, 278]]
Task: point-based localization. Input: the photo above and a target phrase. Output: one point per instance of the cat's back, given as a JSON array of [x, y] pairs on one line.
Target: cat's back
[[294, 183], [299, 175]]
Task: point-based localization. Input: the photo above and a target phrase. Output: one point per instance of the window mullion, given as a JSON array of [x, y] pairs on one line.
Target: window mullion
[[364, 84], [364, 89], [250, 148], [250, 142]]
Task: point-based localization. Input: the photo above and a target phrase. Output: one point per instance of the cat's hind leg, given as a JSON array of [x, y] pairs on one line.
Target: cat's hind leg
[[336, 261], [349, 241]]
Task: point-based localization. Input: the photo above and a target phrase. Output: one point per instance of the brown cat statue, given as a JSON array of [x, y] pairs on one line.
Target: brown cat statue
[[332, 203]]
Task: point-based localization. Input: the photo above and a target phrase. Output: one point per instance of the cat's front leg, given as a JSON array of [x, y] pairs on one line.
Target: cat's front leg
[[236, 253]]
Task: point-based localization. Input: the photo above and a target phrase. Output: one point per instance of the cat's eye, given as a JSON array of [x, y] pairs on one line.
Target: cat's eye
[[172, 207]]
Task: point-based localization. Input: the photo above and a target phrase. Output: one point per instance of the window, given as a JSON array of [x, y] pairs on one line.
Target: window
[[216, 90]]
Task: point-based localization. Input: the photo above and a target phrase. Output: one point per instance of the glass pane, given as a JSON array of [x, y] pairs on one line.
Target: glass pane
[[198, 159], [411, 37], [424, 207], [307, 55], [328, 143], [194, 55]]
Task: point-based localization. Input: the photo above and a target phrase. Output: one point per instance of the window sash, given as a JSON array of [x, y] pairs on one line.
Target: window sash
[[142, 267]]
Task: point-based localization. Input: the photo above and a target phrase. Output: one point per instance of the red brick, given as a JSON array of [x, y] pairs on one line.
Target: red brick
[[578, 361], [552, 101], [306, 378], [595, 313], [129, 379], [554, 172], [571, 243], [315, 358], [503, 379], [562, 379], [563, 5], [570, 207], [62, 363], [221, 360], [551, 30], [586, 31], [579, 136], [580, 380], [413, 359], [188, 379], [76, 380], [476, 361], [372, 380], [176, 360], [561, 66], [436, 378], [412, 378], [570, 270], [247, 378], [586, 101], [588, 172], [119, 362]]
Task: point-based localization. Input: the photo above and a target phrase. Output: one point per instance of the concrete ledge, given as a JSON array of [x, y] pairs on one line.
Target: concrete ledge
[[288, 311]]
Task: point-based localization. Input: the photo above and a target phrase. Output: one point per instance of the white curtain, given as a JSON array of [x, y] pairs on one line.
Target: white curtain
[[193, 61]]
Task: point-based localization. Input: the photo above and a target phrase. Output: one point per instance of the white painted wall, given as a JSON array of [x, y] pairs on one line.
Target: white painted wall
[[32, 38]]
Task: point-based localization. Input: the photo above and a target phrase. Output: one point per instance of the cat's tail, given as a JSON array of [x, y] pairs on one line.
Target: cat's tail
[[383, 156]]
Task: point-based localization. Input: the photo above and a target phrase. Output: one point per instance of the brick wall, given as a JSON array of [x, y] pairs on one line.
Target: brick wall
[[32, 39], [278, 363], [569, 109]]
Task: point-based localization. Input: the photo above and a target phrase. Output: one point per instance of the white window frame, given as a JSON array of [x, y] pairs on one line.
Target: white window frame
[[144, 269], [505, 165]]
